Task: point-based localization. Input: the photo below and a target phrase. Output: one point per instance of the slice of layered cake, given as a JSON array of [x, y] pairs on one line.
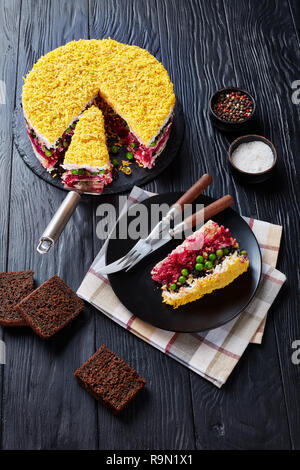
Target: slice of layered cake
[[86, 162], [207, 260]]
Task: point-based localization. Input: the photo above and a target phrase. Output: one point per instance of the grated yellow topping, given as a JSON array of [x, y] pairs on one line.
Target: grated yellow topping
[[88, 145], [129, 78], [218, 280]]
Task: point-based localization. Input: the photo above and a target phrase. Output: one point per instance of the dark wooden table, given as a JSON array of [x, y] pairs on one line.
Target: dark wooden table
[[204, 45]]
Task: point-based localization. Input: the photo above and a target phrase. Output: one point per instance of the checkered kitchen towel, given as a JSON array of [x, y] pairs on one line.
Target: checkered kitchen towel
[[212, 354]]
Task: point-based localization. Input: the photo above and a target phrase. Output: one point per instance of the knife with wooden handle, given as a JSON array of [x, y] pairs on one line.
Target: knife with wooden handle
[[193, 192], [204, 214], [187, 198], [199, 217]]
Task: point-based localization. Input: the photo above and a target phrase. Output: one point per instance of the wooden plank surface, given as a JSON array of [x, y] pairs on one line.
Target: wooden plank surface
[[168, 382], [204, 45], [41, 398], [295, 11], [258, 61], [208, 65], [9, 34]]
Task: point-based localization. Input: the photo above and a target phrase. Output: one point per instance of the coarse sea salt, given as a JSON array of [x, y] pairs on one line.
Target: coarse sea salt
[[253, 157]]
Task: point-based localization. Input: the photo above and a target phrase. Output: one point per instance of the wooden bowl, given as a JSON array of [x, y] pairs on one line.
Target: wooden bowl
[[224, 125], [245, 176]]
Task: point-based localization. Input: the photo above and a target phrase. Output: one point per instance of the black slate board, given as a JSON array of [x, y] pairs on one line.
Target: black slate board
[[122, 182]]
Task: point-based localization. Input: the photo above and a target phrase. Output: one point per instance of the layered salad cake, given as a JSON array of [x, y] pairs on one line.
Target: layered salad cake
[[134, 88], [207, 260]]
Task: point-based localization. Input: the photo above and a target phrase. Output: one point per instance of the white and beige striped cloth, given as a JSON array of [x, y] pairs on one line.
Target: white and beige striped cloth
[[212, 354]]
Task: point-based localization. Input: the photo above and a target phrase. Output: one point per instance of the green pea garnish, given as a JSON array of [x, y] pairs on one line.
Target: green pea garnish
[[68, 130], [114, 149], [172, 286], [226, 251], [219, 253], [48, 153], [212, 257], [75, 172], [185, 272], [208, 265], [182, 279], [152, 144], [102, 171], [199, 267], [199, 259], [244, 253], [129, 155], [95, 173]]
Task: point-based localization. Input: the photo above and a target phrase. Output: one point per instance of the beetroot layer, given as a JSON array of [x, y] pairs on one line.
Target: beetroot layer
[[146, 156], [185, 256], [92, 183]]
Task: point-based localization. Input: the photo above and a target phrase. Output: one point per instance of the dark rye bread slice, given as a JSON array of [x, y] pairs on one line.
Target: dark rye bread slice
[[13, 288], [50, 307], [109, 379]]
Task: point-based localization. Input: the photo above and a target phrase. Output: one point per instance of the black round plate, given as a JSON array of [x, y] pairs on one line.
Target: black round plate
[[122, 183], [142, 296]]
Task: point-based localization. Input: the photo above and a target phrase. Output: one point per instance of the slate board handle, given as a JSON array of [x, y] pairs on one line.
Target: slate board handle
[[58, 222]]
